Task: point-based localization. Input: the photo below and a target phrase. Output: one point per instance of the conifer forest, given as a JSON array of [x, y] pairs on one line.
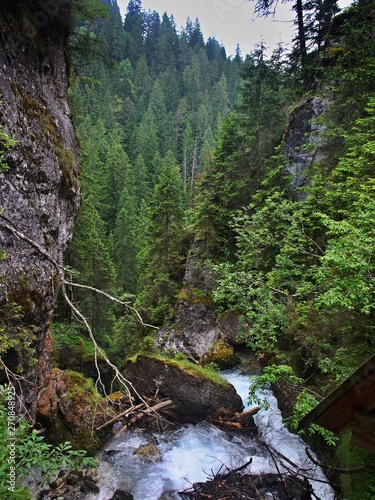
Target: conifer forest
[[244, 184]]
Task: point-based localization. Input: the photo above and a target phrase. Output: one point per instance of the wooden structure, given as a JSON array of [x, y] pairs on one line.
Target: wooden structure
[[351, 404]]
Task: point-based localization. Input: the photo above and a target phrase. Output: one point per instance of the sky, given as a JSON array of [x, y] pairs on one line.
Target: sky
[[230, 21]]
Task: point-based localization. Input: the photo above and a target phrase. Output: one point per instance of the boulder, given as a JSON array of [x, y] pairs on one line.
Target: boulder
[[195, 395], [222, 354], [67, 407], [122, 495]]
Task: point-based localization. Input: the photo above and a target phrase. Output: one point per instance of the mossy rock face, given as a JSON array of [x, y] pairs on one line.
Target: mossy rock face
[[40, 189], [222, 354], [69, 409], [195, 395]]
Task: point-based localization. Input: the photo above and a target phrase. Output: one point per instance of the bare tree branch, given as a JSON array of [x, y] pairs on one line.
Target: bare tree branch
[[110, 297], [126, 384]]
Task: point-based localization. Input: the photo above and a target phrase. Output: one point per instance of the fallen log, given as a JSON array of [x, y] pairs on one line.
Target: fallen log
[[238, 422], [143, 413], [251, 412], [120, 415]]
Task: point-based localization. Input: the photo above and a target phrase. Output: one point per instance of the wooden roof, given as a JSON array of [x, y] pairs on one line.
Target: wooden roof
[[348, 403]]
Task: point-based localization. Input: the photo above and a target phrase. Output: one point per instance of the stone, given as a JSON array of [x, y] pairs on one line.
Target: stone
[[196, 326], [67, 408], [40, 191], [222, 354], [88, 486], [195, 396], [122, 495], [302, 131], [148, 451]]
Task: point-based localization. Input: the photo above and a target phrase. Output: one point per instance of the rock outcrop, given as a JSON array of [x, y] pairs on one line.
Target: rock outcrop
[[69, 409], [194, 395], [197, 326], [40, 191], [222, 354], [302, 145]]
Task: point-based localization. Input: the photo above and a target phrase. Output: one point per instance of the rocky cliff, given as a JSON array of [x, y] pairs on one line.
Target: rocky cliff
[[302, 139], [39, 191]]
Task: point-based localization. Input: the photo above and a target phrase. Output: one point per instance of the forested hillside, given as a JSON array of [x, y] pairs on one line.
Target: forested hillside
[[149, 103], [181, 142]]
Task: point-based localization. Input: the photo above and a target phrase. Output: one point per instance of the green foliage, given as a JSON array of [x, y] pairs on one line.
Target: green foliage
[[361, 484], [165, 253], [94, 268], [212, 366], [148, 345], [271, 375], [245, 145], [16, 339], [305, 401], [210, 373], [65, 335], [6, 143], [29, 454]]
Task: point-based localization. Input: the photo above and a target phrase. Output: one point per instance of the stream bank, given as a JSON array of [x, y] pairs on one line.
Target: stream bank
[[194, 453]]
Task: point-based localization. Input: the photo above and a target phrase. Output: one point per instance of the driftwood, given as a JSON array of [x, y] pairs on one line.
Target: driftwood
[[120, 415], [239, 421], [143, 413], [236, 485]]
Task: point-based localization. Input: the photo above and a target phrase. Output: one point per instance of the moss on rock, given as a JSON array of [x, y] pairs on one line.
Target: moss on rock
[[222, 354], [69, 409]]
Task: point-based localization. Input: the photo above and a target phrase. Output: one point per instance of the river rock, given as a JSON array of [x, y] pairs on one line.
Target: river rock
[[195, 396], [148, 451], [122, 495]]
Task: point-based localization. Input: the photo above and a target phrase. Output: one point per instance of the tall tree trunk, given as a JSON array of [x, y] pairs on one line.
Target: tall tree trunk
[[301, 33]]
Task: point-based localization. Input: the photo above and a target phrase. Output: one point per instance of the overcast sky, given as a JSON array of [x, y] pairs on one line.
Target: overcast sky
[[230, 21]]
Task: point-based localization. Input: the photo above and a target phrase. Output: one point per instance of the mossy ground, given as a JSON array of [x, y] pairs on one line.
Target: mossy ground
[[361, 485]]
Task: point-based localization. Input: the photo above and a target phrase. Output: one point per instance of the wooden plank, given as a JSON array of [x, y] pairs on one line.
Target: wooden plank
[[365, 419], [363, 432], [335, 412]]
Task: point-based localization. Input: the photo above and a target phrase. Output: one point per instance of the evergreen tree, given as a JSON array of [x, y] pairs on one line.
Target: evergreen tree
[[126, 242], [89, 257], [165, 253], [134, 30]]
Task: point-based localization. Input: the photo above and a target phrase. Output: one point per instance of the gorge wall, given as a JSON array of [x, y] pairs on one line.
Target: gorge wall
[[39, 191]]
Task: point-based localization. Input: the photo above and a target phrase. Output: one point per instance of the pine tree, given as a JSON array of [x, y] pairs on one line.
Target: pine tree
[[89, 257], [134, 30], [126, 243], [166, 252]]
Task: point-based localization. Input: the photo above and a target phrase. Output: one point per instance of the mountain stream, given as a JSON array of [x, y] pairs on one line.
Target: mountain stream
[[196, 452]]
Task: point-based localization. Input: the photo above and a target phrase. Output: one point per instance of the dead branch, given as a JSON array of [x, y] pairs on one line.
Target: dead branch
[[110, 297], [340, 470], [18, 234], [7, 224], [143, 413], [120, 415]]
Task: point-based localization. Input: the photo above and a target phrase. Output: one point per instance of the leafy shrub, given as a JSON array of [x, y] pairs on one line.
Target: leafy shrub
[[304, 403], [28, 453]]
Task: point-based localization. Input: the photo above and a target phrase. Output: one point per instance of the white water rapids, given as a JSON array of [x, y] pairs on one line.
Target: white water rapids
[[194, 453]]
